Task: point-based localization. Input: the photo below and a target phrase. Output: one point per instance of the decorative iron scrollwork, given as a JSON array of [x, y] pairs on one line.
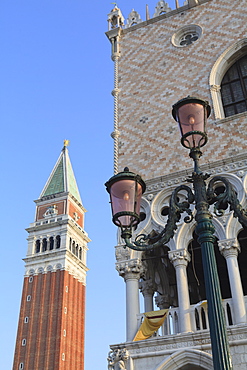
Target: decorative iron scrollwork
[[227, 198], [147, 242]]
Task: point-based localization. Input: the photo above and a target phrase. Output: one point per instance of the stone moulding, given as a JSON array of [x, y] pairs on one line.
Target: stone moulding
[[229, 165], [157, 18]]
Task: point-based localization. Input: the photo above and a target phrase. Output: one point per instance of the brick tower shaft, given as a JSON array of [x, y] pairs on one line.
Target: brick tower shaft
[[52, 314]]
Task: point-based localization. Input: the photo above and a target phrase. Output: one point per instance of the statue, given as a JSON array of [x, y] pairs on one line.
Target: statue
[[117, 359]]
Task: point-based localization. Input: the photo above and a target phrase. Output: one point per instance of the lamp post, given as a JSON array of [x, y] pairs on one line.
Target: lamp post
[[126, 189]]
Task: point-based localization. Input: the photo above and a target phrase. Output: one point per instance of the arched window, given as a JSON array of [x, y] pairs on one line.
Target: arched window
[[197, 320], [229, 314], [58, 241], [51, 240], [176, 323], [222, 80], [44, 245], [204, 323], [73, 247], [196, 276], [242, 258], [234, 88], [37, 246]]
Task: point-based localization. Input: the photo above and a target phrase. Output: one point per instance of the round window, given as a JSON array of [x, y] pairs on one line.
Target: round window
[[186, 35]]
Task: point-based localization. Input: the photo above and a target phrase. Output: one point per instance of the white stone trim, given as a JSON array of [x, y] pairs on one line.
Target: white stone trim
[[187, 357], [190, 28], [60, 261], [223, 63]]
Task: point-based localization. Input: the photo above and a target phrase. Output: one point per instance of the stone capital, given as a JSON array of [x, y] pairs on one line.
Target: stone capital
[[117, 357], [147, 287], [179, 257], [131, 269], [162, 301], [215, 88], [229, 247], [115, 134]]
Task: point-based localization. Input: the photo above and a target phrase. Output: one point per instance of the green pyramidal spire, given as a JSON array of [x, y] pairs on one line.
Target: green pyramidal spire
[[62, 178]]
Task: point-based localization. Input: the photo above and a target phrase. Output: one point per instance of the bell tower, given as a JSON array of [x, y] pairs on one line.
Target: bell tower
[[51, 323]]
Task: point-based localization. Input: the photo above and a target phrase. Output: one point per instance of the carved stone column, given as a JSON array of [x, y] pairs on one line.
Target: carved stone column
[[217, 103], [147, 288], [229, 248], [131, 271], [180, 259]]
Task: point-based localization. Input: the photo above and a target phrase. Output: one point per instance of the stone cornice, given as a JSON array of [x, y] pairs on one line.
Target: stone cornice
[[165, 345], [60, 223], [159, 18], [60, 196], [228, 165], [230, 119], [114, 33], [130, 269], [53, 261], [47, 226]]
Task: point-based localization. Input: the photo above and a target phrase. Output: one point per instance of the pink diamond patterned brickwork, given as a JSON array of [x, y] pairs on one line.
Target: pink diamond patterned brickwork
[[154, 74]]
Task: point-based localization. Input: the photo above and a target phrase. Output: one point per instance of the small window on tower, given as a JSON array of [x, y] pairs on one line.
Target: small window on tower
[[73, 247], [51, 241], [26, 320], [37, 246], [63, 357], [28, 298], [58, 241], [64, 333], [21, 366], [23, 343], [66, 289], [44, 245], [65, 309], [30, 279]]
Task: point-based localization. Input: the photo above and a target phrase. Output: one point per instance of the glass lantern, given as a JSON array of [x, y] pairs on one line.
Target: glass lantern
[[191, 114], [125, 189]]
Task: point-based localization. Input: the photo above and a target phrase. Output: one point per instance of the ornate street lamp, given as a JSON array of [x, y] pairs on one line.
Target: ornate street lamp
[[191, 113]]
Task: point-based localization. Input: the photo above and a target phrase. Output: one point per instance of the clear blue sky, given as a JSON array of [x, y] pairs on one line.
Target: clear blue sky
[[56, 77]]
